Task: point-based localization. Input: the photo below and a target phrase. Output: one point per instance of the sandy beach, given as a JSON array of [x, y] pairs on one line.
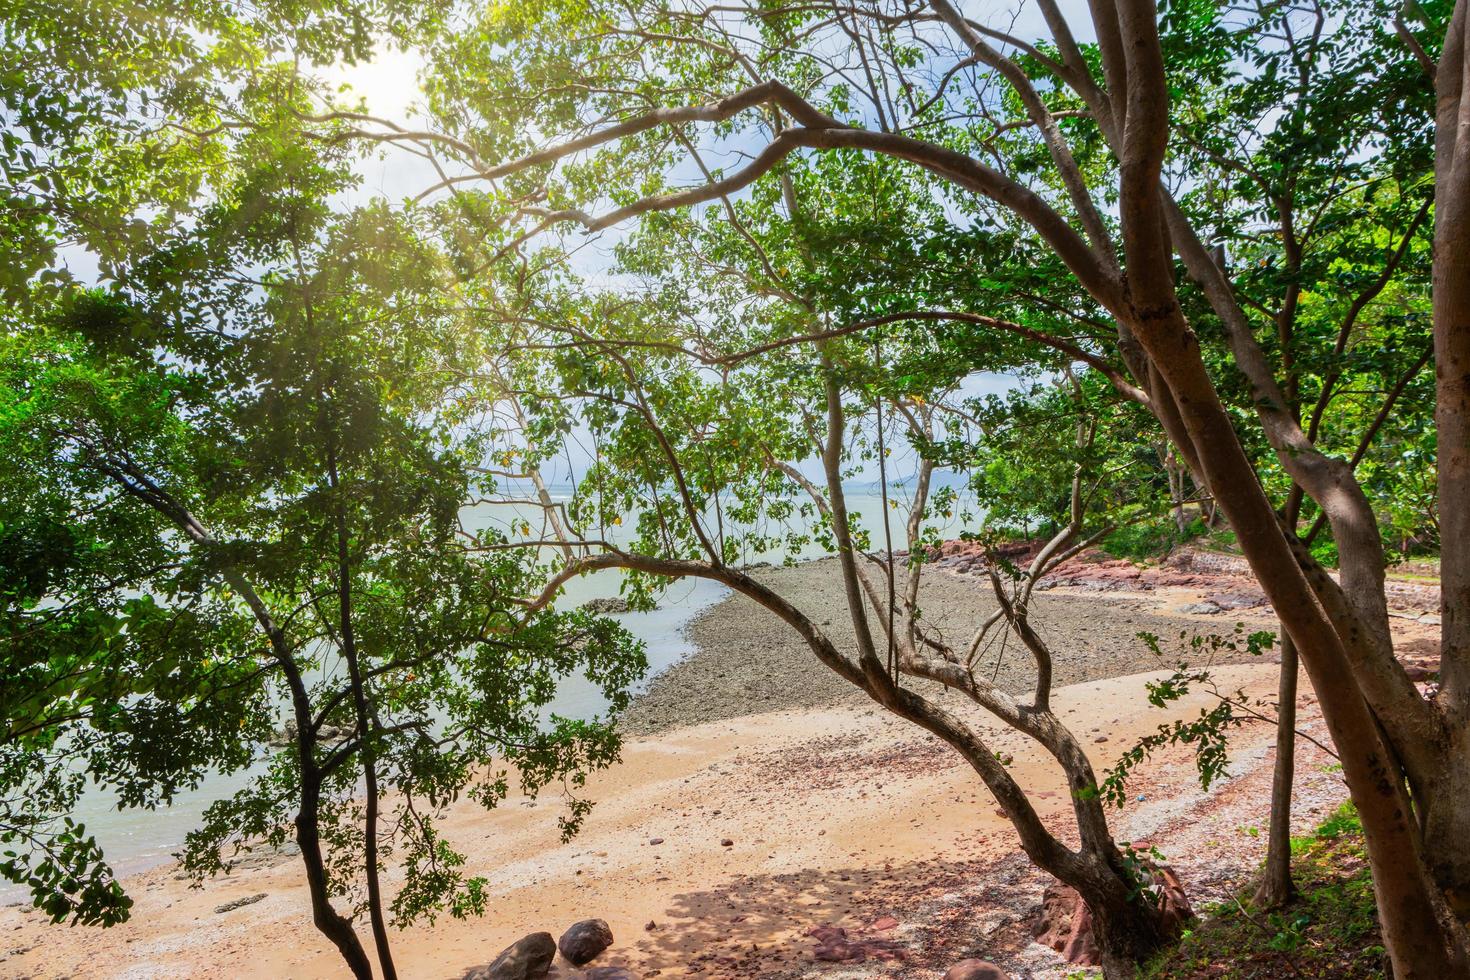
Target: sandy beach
[[715, 846]]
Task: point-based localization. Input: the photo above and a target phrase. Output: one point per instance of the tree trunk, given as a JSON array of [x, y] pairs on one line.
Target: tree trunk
[[1128, 933], [1277, 888], [1127, 928], [1446, 797], [365, 735], [1175, 472], [328, 921], [1444, 813], [1421, 945]]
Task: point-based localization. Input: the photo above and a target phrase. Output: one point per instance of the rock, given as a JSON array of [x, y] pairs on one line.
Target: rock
[[975, 970], [834, 945], [328, 732], [1100, 739], [239, 903], [884, 923], [655, 840], [617, 604], [1199, 609], [585, 940], [1237, 600], [727, 842], [525, 959], [839, 953], [1065, 925], [1173, 901], [607, 973]]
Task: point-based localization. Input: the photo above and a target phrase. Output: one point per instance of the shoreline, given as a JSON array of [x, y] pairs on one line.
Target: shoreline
[[837, 815], [746, 660], [842, 816]]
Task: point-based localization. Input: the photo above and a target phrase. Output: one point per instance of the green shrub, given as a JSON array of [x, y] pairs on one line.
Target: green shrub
[[1330, 931], [1152, 539]]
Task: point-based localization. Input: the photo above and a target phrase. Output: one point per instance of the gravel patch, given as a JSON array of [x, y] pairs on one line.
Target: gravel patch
[[748, 661]]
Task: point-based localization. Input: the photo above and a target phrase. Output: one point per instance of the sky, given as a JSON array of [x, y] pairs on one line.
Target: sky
[[389, 86]]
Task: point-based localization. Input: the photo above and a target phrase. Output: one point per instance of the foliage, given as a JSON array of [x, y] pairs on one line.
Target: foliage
[[1330, 930], [232, 472], [1150, 539], [230, 490], [1208, 732]]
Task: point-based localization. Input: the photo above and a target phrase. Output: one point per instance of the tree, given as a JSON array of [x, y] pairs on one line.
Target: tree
[[1320, 220], [1073, 145], [707, 455], [233, 478]]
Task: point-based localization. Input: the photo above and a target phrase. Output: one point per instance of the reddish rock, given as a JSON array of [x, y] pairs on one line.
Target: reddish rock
[[1065, 925], [1175, 904], [834, 945], [976, 970], [840, 953], [826, 935], [884, 923]]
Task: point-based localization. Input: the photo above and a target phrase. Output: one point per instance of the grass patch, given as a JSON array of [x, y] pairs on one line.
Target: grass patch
[[1330, 931]]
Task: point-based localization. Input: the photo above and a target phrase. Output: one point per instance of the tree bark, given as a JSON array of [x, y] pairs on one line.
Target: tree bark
[[1276, 887], [1420, 944], [328, 921], [364, 726], [1340, 632], [1127, 931], [1446, 811]]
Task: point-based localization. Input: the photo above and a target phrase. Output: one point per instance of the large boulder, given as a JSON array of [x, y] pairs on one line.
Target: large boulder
[[585, 940], [976, 970], [528, 958]]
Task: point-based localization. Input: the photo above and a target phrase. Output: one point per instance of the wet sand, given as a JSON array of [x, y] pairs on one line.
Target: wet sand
[[747, 660]]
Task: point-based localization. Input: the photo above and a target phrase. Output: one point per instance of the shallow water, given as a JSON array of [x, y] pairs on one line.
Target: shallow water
[[135, 840]]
